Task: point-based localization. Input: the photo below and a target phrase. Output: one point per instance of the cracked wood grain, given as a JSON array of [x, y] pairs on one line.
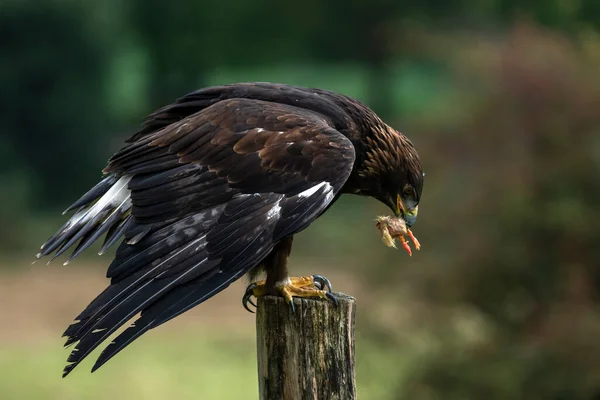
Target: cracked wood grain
[[308, 354]]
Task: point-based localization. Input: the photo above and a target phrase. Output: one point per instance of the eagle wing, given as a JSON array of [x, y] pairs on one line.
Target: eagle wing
[[199, 202]]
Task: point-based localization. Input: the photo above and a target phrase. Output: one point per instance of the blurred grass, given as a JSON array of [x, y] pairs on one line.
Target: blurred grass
[[189, 364], [208, 353]]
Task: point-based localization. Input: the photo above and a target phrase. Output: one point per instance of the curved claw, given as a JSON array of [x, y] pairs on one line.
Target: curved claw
[[251, 302], [247, 298], [322, 282], [332, 298]]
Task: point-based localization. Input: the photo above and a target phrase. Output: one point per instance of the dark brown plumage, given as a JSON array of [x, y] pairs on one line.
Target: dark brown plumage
[[215, 186]]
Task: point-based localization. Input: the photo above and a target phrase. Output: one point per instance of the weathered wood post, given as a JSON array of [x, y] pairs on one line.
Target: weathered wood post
[[308, 354]]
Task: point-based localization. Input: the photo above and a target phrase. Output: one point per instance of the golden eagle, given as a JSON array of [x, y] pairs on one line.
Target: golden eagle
[[214, 187]]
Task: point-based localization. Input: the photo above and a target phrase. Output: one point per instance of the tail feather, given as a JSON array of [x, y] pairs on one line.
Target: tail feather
[[107, 205], [180, 300], [97, 191], [132, 299], [115, 232], [92, 235], [58, 238]]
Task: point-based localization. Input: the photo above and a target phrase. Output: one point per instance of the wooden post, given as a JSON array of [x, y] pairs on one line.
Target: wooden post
[[308, 354]]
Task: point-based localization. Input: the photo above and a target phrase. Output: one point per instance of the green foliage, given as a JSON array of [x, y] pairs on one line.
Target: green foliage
[[517, 218], [51, 103]]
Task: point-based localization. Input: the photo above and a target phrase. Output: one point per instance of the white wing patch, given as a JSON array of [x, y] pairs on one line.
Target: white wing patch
[[115, 200], [115, 196], [313, 189], [274, 212]]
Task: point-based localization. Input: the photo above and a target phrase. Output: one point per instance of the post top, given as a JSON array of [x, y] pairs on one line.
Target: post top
[[341, 297]]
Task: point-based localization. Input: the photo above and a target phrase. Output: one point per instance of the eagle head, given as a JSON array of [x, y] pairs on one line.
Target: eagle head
[[392, 173]]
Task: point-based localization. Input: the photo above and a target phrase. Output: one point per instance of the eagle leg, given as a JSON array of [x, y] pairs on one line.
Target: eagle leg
[[305, 286], [279, 283]]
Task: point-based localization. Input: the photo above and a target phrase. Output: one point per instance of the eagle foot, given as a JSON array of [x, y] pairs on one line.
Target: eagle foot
[[304, 286]]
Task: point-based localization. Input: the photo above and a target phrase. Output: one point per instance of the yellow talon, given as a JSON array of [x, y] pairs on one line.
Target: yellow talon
[[305, 286]]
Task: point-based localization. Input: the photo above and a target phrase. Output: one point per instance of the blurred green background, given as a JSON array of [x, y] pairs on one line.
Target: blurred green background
[[502, 100]]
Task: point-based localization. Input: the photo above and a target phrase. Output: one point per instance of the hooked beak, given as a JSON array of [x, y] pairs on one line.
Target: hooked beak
[[410, 216]]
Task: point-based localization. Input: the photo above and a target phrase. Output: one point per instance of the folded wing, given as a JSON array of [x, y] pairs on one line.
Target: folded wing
[[198, 203]]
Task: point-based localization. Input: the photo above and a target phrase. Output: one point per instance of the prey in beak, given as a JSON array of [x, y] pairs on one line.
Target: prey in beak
[[392, 228]]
